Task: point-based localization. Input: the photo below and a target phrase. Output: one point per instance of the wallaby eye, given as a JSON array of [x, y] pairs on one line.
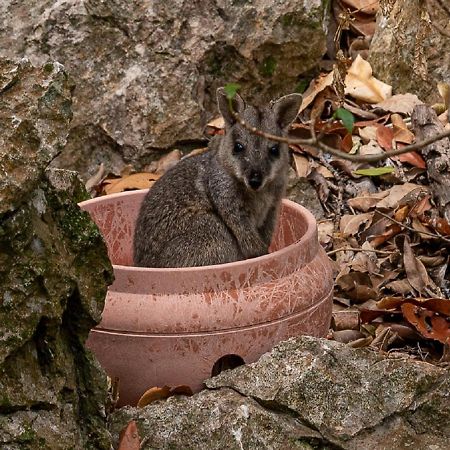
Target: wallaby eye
[[275, 150], [238, 147]]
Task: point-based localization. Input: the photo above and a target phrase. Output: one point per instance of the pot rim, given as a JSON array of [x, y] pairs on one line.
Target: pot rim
[[308, 241]]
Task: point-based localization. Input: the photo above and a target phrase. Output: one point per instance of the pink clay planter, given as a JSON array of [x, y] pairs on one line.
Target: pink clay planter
[[170, 326]]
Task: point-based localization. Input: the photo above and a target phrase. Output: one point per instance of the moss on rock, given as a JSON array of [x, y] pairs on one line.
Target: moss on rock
[[54, 274]]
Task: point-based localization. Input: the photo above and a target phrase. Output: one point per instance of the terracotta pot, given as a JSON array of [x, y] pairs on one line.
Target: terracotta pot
[[171, 326]]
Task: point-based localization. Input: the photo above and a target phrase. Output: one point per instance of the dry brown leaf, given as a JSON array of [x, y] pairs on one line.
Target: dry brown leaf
[[359, 112], [302, 165], [182, 389], [432, 261], [380, 238], [415, 270], [396, 194], [350, 224], [317, 85], [401, 131], [368, 133], [385, 275], [439, 305], [363, 24], [360, 84], [437, 223], [403, 330], [153, 394], [141, 180], [326, 173], [421, 229], [367, 262], [357, 286], [412, 158], [325, 230], [367, 315], [371, 148], [347, 319], [399, 286], [385, 136], [384, 337], [428, 323], [365, 6], [364, 203], [346, 336], [401, 213], [399, 103], [361, 343], [129, 437], [218, 122], [347, 143], [421, 205]]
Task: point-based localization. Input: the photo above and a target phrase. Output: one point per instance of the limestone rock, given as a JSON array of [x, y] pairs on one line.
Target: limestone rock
[[36, 111], [215, 420], [306, 393], [146, 71], [355, 398], [301, 191], [407, 51], [54, 272]]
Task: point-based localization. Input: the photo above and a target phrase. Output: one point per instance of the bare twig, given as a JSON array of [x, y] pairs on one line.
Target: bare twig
[[332, 151], [437, 236]]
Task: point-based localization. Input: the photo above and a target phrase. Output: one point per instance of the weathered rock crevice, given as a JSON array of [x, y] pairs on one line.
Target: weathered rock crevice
[[146, 71], [54, 272], [306, 393]]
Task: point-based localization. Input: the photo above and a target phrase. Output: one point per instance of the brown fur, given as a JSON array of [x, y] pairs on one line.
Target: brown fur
[[220, 206]]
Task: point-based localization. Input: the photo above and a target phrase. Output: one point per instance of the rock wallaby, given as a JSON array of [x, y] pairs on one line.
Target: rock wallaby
[[220, 206]]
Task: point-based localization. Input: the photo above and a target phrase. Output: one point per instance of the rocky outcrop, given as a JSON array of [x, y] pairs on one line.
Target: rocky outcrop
[[408, 51], [306, 393], [146, 71], [54, 271]]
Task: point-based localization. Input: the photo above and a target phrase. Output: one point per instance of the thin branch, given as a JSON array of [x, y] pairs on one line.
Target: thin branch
[[438, 236], [332, 151], [354, 249]]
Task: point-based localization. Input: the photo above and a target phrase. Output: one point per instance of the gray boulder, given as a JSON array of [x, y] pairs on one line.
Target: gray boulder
[[407, 51], [54, 272], [146, 71], [306, 393]]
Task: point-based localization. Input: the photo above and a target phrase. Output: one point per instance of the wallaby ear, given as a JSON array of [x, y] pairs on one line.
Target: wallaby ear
[[222, 101], [286, 109]]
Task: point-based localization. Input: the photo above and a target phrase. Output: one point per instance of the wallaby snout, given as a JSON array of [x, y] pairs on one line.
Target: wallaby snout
[[255, 180]]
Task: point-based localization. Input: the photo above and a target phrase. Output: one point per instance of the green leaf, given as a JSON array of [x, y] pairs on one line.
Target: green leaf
[[375, 171], [231, 90], [346, 117]]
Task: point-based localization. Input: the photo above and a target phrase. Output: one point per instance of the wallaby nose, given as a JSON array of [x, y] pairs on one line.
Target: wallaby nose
[[255, 179]]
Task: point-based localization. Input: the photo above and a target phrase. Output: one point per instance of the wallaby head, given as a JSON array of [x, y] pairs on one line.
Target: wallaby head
[[254, 160]]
